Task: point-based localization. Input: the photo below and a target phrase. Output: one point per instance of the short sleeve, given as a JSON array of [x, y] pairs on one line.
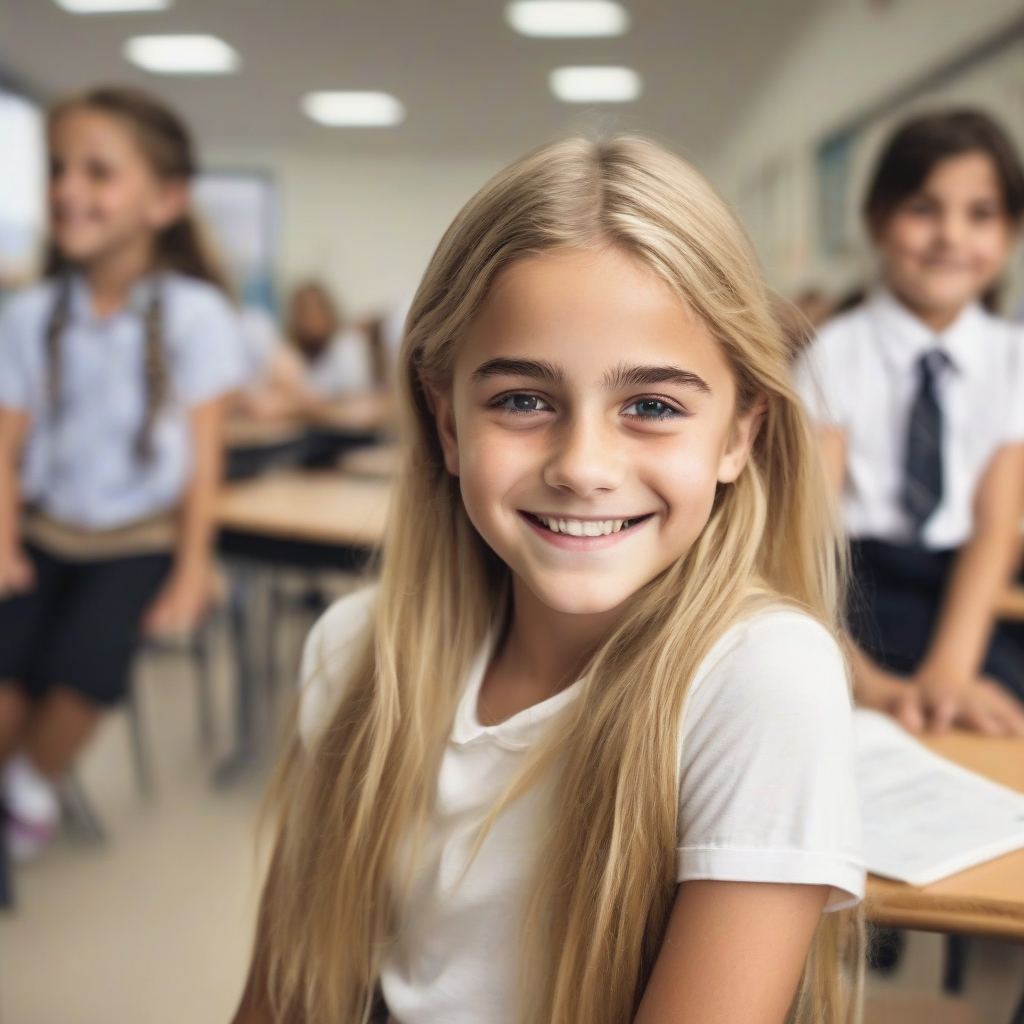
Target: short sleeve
[[767, 786], [209, 350], [327, 657], [20, 328], [818, 376], [1014, 427]]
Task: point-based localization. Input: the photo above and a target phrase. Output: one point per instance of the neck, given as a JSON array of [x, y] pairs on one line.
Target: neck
[[936, 318], [110, 277], [550, 646]]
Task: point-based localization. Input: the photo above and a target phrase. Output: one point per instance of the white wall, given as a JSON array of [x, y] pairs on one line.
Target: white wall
[[850, 56], [366, 226]]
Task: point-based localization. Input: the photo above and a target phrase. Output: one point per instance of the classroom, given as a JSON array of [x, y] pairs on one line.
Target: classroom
[[512, 512]]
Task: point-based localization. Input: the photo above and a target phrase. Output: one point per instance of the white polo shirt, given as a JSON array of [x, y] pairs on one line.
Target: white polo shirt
[[766, 794], [860, 376]]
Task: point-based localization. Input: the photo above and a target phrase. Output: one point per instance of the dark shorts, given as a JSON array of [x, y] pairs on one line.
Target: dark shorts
[[895, 597], [79, 627]]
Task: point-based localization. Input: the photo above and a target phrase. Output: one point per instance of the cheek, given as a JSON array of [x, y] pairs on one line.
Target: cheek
[[907, 239], [493, 466], [685, 477]]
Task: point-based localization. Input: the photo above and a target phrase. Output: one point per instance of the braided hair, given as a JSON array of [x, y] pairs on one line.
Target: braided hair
[[165, 143]]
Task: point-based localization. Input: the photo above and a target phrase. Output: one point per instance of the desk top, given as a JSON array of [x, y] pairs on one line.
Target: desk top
[[365, 413], [984, 900], [368, 411], [249, 432], [380, 460], [326, 508]]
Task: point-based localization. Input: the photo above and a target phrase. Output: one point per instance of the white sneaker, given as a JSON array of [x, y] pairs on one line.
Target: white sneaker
[[33, 810]]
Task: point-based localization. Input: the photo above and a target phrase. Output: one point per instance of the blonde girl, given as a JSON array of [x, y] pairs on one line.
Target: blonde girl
[[585, 754], [112, 375]]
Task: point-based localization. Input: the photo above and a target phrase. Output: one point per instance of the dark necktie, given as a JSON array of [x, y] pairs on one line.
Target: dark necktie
[[922, 486]]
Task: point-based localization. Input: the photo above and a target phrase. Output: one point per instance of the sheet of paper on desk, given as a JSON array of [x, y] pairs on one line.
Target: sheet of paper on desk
[[925, 817]]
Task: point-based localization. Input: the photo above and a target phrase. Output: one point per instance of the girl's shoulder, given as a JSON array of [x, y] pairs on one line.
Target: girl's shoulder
[[331, 647], [776, 661], [29, 307], [190, 297]]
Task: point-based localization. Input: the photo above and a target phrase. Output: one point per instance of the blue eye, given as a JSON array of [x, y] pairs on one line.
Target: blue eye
[[523, 403], [650, 409]]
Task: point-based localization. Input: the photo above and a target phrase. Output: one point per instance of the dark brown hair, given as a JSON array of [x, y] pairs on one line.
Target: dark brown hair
[[920, 144], [166, 144]]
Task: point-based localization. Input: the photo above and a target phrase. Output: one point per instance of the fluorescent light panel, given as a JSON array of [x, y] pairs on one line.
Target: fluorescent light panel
[[112, 6], [354, 109], [182, 55], [595, 84], [567, 19]]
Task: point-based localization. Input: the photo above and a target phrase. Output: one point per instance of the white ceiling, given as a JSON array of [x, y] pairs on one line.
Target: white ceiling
[[470, 84]]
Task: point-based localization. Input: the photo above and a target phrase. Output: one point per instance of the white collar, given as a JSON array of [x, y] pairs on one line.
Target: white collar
[[515, 733], [903, 338], [80, 306]]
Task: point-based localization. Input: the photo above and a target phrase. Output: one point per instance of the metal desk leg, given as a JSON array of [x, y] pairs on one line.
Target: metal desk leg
[[1018, 1016], [6, 882], [244, 579]]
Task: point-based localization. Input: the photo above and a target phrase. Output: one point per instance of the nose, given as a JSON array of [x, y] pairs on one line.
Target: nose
[[585, 457], [952, 226]]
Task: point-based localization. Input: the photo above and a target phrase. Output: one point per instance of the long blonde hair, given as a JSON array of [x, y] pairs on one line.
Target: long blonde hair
[[356, 803]]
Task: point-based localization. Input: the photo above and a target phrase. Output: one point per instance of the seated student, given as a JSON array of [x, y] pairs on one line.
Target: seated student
[[275, 382], [918, 394], [113, 373], [586, 754], [337, 360]]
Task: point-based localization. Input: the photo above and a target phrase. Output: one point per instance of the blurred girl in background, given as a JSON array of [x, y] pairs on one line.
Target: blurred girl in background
[[586, 754], [112, 376], [338, 360], [918, 395]]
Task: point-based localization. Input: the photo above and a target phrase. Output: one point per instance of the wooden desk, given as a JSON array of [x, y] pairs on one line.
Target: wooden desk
[[378, 460], [318, 508], [986, 900], [292, 518], [371, 411], [1010, 606]]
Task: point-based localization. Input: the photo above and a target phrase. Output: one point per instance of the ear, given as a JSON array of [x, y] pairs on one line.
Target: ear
[[744, 433], [170, 203], [443, 407]]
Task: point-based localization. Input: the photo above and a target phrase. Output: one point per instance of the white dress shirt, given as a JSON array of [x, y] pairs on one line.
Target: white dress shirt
[[82, 468], [767, 793], [860, 376]]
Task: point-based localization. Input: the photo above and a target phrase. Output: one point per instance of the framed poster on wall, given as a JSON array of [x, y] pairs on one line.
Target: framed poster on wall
[[239, 210]]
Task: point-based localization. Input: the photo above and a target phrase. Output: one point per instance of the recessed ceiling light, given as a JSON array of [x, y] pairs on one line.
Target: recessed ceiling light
[[354, 109], [112, 6], [595, 84], [182, 55], [566, 19]]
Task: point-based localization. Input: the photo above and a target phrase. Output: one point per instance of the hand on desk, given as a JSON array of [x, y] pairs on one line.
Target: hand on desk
[[923, 704]]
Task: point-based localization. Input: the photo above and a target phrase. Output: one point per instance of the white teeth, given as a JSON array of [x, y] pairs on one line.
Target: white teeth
[[583, 527]]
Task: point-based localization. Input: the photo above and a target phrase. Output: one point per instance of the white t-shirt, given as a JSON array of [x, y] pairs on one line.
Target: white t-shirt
[[344, 366], [766, 793], [860, 376]]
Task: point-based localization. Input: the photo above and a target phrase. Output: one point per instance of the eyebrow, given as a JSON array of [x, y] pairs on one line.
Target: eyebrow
[[625, 376], [534, 368]]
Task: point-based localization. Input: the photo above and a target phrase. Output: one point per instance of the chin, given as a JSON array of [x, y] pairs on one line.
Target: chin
[[576, 597]]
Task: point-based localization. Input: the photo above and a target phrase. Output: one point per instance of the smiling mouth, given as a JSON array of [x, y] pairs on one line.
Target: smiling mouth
[[585, 527]]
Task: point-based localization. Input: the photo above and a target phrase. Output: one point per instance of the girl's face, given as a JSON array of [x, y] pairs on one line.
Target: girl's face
[[312, 321], [104, 195], [590, 418], [947, 244]]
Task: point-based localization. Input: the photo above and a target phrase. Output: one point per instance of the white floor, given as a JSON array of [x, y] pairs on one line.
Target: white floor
[[155, 925]]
